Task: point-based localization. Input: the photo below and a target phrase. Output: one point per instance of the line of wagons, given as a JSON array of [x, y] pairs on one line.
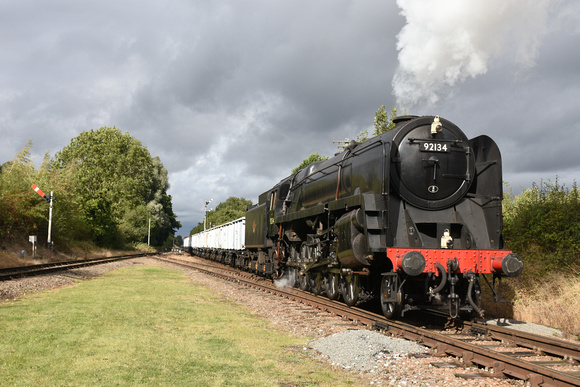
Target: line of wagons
[[225, 243]]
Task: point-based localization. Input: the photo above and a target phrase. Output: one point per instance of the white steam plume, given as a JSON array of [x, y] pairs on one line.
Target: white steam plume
[[446, 41]]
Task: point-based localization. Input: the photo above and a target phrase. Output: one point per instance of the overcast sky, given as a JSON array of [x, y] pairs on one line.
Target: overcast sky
[[233, 94]]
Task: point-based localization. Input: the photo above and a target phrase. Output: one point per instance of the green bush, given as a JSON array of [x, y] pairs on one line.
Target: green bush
[[543, 225]]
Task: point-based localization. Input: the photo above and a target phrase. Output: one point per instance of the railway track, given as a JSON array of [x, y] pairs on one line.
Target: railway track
[[496, 351], [9, 273]]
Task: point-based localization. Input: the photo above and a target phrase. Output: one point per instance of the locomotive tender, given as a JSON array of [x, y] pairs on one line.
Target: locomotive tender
[[411, 217]]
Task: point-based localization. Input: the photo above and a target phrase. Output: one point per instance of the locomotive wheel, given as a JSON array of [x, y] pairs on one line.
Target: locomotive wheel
[[332, 287], [350, 289], [304, 282], [316, 283], [388, 289]]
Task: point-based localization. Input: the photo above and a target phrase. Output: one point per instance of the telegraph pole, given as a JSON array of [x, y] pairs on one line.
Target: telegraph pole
[[49, 239], [149, 234], [205, 214]]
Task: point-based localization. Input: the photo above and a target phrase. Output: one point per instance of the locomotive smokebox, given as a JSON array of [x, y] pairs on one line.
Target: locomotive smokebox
[[353, 247]]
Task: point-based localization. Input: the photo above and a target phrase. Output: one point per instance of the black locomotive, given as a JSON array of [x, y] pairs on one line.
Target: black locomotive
[[411, 217]]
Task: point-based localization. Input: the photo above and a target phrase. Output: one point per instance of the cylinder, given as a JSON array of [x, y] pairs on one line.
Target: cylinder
[[353, 248]]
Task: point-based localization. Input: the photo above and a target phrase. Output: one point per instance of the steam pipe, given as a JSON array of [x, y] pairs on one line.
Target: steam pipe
[[443, 279], [470, 299]]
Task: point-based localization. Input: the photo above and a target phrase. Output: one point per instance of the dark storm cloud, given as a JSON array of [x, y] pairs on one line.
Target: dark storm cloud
[[265, 87], [232, 95], [313, 64]]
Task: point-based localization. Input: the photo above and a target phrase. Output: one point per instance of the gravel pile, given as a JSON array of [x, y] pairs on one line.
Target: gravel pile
[[361, 350], [525, 327]]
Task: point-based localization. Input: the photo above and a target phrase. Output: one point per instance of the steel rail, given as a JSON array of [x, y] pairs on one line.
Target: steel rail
[[540, 343], [10, 273], [319, 302], [497, 363]]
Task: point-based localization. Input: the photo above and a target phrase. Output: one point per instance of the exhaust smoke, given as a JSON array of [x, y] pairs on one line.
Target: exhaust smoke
[[445, 42]]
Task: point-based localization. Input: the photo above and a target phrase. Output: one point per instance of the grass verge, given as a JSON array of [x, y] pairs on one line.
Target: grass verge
[[552, 300], [147, 325]]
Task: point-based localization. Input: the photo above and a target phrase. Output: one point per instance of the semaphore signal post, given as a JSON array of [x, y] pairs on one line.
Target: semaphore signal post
[[49, 199]]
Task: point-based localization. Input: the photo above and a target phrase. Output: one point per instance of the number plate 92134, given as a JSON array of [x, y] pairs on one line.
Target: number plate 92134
[[434, 147]]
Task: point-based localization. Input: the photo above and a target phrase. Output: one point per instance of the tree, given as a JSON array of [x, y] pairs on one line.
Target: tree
[[119, 186], [309, 160], [22, 212], [384, 121], [68, 222]]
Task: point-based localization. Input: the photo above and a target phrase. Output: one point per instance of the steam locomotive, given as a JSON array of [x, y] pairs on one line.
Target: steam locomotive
[[411, 217]]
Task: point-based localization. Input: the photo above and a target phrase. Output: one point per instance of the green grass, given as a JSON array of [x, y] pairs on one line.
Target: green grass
[[147, 325]]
